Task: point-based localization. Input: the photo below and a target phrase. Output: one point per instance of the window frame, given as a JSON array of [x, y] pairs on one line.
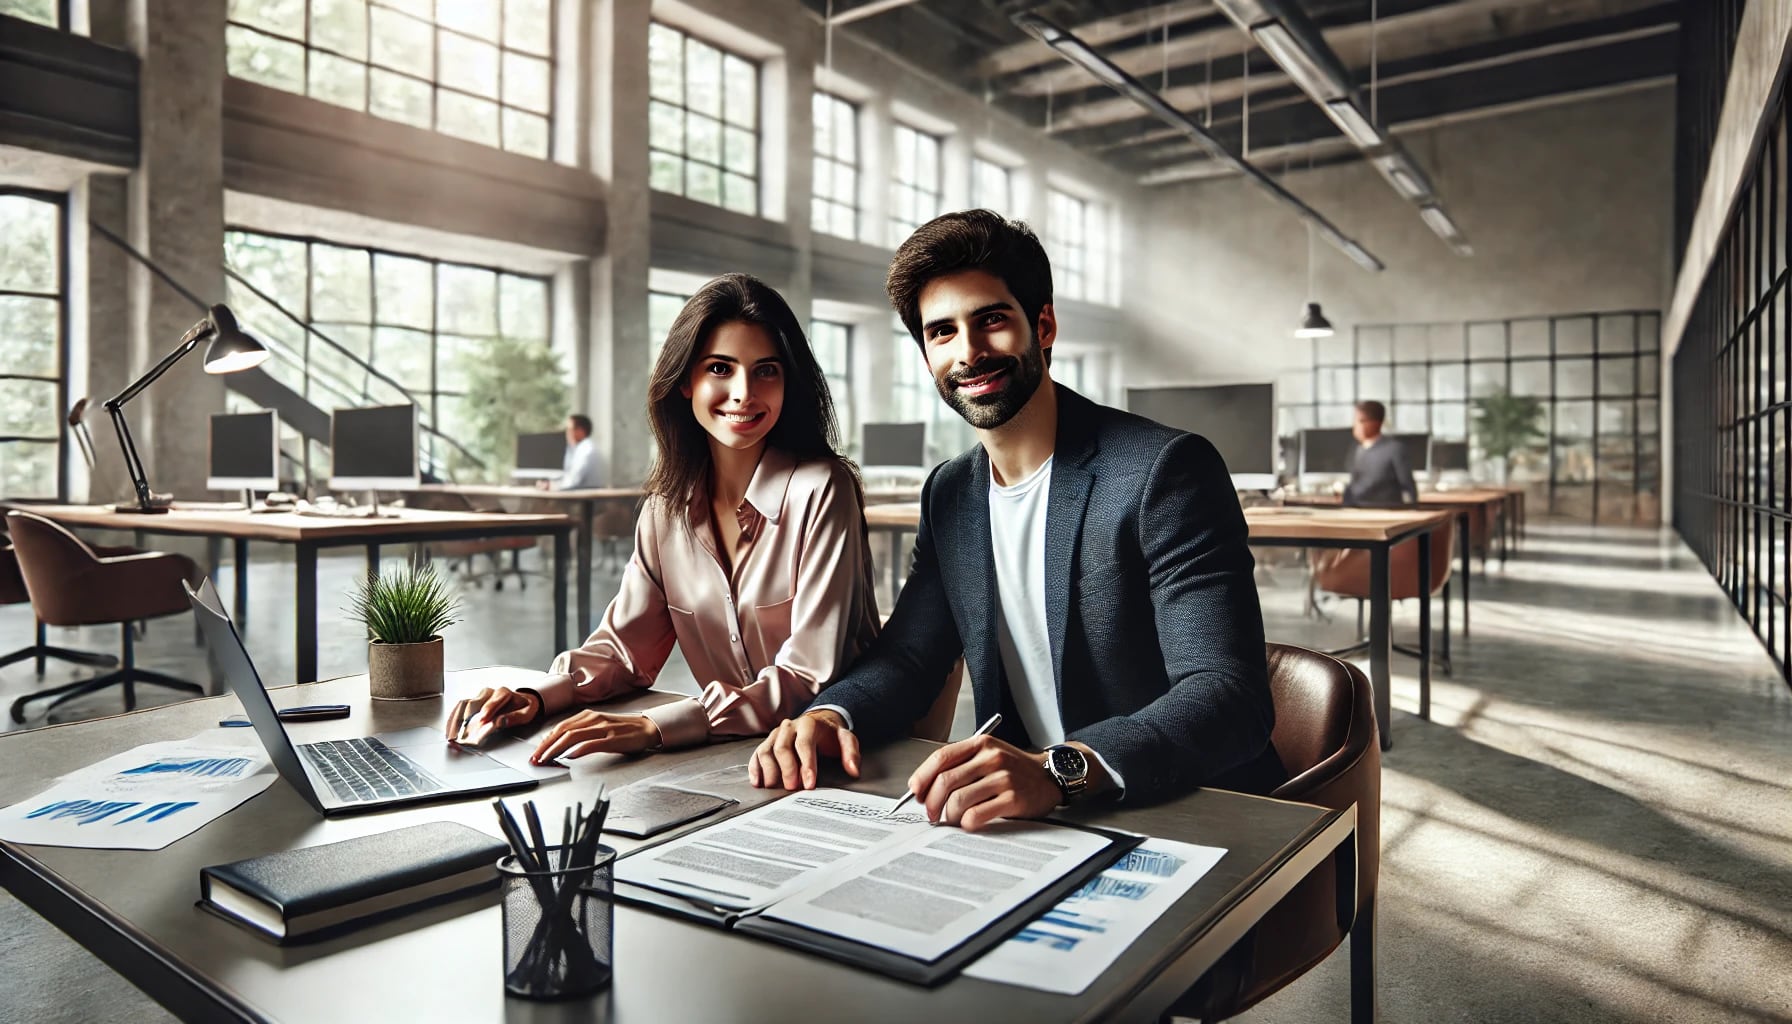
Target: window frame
[[435, 84], [900, 229], [978, 199], [59, 439], [856, 165], [683, 155]]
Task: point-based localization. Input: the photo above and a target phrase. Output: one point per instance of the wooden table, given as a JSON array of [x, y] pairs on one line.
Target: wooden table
[[1373, 530], [586, 500], [135, 910], [308, 534]]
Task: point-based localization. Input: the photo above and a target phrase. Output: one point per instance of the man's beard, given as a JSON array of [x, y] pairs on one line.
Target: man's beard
[[987, 412]]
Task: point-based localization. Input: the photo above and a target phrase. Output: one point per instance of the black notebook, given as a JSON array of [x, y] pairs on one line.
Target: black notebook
[[826, 871], [319, 890]]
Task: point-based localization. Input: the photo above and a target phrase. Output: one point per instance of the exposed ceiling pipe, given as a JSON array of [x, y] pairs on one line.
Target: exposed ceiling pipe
[[1086, 57], [1291, 39]]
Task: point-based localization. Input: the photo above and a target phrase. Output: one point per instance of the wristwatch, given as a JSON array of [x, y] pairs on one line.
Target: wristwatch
[[1069, 769]]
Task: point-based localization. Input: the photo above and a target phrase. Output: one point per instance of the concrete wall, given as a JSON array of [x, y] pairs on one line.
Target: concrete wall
[[1568, 208]]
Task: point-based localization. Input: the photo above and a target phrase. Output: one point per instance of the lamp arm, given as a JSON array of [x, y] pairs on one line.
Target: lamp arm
[[198, 333], [132, 463]]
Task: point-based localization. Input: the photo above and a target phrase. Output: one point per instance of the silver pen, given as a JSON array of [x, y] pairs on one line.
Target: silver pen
[[982, 730]]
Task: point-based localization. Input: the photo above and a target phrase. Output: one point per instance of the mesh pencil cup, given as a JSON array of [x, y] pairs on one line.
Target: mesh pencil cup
[[558, 926]]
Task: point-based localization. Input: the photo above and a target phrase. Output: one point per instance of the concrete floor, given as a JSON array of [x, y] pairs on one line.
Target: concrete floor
[[1594, 826]]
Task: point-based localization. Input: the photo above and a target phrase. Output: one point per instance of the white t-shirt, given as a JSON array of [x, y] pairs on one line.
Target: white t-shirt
[[1017, 535]]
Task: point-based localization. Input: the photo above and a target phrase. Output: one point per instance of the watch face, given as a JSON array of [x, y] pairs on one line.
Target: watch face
[[1069, 762]]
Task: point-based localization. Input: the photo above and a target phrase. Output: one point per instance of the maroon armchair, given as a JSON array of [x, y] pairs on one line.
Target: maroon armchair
[[1326, 738], [71, 583], [12, 591]]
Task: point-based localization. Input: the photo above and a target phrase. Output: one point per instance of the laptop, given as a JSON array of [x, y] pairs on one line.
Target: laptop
[[355, 775]]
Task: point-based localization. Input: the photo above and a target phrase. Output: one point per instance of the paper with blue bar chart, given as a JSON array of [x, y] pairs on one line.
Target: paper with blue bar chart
[[142, 799], [1068, 947]]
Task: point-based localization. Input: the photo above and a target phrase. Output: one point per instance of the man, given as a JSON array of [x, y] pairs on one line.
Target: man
[[1090, 566], [583, 467], [1379, 473]]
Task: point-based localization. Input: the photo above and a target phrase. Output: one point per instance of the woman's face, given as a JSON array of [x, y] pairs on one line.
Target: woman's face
[[736, 386]]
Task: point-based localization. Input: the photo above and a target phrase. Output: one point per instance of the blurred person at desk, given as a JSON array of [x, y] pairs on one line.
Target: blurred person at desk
[[1379, 473], [750, 552], [1090, 565], [583, 467]]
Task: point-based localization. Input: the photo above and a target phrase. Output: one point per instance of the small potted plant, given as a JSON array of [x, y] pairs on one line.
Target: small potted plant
[[405, 613]]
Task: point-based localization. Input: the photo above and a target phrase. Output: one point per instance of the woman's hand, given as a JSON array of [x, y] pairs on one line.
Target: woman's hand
[[490, 710], [591, 732]]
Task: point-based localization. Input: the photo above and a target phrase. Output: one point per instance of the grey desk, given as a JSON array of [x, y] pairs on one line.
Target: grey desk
[[309, 534], [135, 910]]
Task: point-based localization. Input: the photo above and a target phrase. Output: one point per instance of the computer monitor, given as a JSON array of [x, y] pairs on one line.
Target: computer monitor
[[894, 445], [1418, 451], [1239, 420], [1447, 456], [245, 452], [540, 456], [1327, 451], [374, 449]]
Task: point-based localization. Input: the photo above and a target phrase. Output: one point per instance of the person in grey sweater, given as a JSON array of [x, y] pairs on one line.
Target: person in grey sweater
[[1379, 474]]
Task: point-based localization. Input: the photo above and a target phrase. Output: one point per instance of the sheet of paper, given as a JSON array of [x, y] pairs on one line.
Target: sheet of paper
[[144, 798], [1070, 946], [928, 894], [768, 853]]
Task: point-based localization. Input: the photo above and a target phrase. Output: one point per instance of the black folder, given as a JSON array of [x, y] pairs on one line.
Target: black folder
[[875, 958]]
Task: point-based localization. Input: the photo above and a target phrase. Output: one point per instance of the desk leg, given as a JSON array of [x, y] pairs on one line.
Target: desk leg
[[1362, 966], [305, 607], [1380, 642], [562, 554], [895, 567], [214, 555], [1505, 531], [1467, 569], [373, 560], [240, 559], [587, 519], [1425, 626], [1448, 668]]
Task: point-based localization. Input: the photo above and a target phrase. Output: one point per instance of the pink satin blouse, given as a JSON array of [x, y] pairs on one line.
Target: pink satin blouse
[[797, 609]]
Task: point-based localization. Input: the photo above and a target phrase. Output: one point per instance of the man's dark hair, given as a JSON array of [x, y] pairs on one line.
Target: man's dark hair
[[1376, 412], [581, 421], [970, 240]]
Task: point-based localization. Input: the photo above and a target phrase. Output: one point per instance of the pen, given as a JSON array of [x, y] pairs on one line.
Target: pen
[[982, 730]]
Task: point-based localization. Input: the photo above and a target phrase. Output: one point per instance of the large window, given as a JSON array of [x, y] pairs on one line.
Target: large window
[[476, 69], [992, 187], [33, 319], [1078, 237], [836, 185], [44, 12], [915, 188], [832, 343], [916, 399], [662, 308], [428, 327], [703, 121]]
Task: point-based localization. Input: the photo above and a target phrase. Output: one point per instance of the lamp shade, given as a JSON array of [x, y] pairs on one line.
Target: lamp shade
[[231, 348], [1314, 324]]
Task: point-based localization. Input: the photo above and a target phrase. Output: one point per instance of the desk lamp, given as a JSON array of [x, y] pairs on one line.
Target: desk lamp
[[230, 351]]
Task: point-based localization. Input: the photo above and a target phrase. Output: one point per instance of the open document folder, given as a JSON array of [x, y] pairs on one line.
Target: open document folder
[[825, 871]]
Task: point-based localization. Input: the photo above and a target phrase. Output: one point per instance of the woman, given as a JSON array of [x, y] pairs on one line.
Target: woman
[[750, 551]]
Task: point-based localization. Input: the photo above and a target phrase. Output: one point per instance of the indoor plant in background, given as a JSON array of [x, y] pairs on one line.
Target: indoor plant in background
[[514, 387], [1506, 423], [405, 613]]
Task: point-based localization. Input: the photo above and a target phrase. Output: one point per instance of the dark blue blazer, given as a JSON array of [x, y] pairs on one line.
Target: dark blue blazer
[[1156, 634]]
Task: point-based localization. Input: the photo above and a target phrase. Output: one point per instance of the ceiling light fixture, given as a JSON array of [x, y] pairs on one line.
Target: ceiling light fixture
[[1354, 123]]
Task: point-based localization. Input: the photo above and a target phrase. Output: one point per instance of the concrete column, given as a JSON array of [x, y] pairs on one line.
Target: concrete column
[[617, 364], [789, 84], [176, 217], [877, 142], [100, 361]]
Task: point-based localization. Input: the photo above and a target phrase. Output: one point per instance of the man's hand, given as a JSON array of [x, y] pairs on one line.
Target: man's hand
[[502, 708], [973, 782], [791, 756], [592, 732]]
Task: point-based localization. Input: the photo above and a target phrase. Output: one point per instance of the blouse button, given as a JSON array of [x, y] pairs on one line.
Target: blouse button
[[735, 639]]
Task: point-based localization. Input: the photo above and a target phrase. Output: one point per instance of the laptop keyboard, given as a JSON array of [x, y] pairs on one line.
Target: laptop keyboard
[[360, 770]]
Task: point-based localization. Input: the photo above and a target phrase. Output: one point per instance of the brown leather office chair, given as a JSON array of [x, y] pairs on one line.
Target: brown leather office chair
[[72, 584], [1325, 735], [936, 724], [12, 591], [1348, 576]]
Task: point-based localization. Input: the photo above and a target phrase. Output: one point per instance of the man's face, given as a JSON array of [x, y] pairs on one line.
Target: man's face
[[1365, 429], [986, 360], [573, 434]]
